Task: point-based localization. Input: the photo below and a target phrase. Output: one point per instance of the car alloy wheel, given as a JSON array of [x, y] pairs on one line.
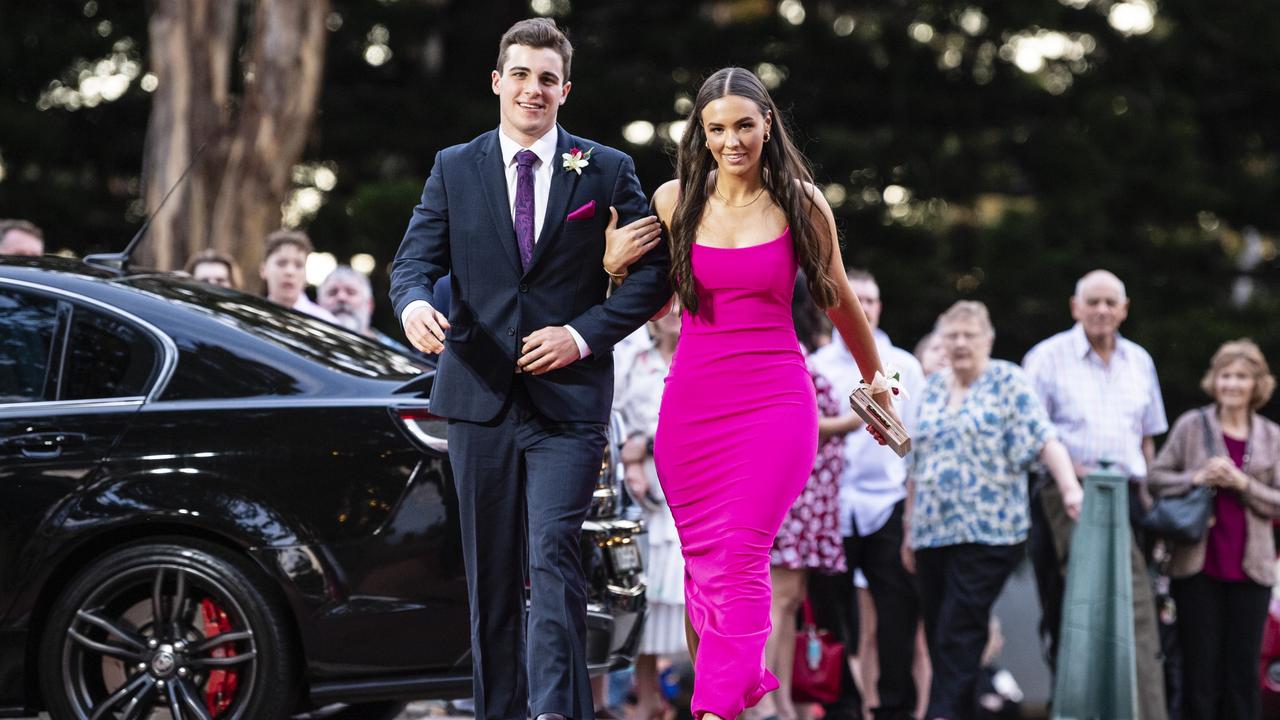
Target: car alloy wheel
[[167, 632]]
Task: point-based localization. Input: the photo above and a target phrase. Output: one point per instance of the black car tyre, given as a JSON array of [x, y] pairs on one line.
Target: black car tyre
[[176, 628]]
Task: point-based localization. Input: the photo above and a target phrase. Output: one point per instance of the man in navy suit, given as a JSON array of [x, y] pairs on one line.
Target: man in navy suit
[[517, 218]]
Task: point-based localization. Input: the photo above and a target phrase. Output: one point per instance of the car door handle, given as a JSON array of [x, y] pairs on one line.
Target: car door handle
[[42, 446]]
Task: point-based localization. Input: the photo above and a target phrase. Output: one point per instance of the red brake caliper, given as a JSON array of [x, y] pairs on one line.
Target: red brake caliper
[[221, 688]]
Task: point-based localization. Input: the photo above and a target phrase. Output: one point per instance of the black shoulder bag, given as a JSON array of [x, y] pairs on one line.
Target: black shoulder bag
[[1184, 518]]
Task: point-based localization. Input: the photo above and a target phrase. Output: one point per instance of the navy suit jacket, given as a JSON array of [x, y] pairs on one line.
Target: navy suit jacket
[[462, 227]]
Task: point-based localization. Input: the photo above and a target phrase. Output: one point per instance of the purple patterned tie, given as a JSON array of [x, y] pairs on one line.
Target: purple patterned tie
[[524, 205]]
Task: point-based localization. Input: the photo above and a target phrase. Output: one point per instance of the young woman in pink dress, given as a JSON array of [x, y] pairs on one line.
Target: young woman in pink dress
[[738, 425]]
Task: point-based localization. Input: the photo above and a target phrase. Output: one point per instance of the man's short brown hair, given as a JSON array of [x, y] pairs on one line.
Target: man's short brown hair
[[279, 238], [537, 33], [25, 226]]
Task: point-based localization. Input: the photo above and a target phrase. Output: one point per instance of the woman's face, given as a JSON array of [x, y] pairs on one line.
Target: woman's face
[[968, 344], [1233, 385], [934, 356], [735, 130], [212, 272]]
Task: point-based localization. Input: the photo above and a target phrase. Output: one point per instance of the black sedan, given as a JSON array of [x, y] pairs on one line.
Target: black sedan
[[212, 507]]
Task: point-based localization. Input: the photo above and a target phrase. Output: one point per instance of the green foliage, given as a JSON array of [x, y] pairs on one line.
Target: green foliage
[[1149, 154]]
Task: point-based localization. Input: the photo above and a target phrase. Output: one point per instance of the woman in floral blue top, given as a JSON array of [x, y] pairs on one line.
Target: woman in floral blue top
[[980, 426]]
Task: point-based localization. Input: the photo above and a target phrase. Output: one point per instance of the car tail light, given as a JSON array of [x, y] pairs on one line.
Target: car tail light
[[427, 429], [605, 497]]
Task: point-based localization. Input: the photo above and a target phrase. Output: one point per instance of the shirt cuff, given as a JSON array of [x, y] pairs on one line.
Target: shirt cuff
[[583, 350], [404, 314]]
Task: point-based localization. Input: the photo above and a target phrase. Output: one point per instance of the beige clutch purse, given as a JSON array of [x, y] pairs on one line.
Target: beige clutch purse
[[872, 414]]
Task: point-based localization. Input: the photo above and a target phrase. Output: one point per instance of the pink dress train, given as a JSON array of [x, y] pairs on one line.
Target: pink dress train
[[736, 439]]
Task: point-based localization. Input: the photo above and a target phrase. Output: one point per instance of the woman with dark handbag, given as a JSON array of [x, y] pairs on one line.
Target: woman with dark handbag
[[1222, 580]]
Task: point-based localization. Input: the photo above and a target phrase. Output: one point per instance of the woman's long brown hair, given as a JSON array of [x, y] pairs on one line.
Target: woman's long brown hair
[[786, 176]]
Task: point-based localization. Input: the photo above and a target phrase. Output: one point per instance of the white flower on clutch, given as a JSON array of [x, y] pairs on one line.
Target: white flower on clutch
[[575, 159], [891, 382]]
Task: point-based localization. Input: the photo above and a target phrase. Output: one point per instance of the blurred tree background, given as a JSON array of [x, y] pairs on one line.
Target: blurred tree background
[[985, 150]]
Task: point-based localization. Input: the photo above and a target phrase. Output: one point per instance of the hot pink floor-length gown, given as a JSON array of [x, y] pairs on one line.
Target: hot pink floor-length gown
[[735, 444]]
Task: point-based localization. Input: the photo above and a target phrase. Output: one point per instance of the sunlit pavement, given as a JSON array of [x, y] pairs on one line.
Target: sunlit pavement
[[1018, 609], [434, 709]]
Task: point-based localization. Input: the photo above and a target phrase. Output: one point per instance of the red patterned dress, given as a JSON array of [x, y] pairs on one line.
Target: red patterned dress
[[809, 538]]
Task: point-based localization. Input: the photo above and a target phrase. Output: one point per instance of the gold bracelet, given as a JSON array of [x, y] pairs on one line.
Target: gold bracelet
[[616, 276]]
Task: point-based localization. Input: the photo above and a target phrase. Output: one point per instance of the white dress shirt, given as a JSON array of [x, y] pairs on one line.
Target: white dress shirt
[[874, 477], [545, 148], [1102, 410], [306, 305]]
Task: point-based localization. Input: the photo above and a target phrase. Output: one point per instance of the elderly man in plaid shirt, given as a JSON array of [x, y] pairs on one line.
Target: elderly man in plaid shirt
[[1103, 395]]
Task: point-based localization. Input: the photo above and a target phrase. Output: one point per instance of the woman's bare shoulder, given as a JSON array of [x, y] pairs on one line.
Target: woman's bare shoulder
[[665, 199], [815, 202]]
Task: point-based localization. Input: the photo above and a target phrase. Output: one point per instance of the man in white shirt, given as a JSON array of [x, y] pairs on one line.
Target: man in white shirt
[[1103, 396], [872, 498]]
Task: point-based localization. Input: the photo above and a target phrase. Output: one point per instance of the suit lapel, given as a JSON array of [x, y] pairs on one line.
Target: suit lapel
[[563, 183], [493, 181]]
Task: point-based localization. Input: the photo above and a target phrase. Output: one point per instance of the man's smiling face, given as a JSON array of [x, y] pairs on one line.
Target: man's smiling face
[[530, 90]]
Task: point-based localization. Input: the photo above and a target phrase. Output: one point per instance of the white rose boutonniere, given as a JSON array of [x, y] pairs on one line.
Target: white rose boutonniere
[[575, 159]]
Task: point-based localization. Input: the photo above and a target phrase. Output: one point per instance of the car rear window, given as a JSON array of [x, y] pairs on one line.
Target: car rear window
[[27, 325], [106, 358], [309, 337]]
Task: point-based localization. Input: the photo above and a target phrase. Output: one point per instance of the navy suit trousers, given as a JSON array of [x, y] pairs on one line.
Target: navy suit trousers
[[524, 486]]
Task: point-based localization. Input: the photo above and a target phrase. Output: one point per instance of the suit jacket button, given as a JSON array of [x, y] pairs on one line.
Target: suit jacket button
[[524, 287], [511, 331]]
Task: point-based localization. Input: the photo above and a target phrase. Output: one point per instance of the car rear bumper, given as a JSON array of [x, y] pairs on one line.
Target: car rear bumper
[[615, 619]]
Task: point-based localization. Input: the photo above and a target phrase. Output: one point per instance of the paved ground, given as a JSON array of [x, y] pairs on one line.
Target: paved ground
[[1018, 609], [415, 711], [434, 710]]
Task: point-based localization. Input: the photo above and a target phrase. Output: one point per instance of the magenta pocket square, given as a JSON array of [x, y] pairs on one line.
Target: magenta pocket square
[[586, 212]]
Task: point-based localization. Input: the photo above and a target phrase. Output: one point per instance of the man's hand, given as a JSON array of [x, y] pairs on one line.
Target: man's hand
[[425, 328], [624, 245], [1072, 500], [550, 348], [908, 555]]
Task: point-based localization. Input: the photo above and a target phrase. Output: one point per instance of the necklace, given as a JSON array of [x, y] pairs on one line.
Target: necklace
[[725, 200]]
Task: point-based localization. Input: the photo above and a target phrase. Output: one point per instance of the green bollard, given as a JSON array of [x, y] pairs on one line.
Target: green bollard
[[1097, 679]]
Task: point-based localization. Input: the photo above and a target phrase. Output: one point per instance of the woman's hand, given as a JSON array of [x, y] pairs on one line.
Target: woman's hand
[[1206, 475], [1223, 473], [908, 555], [637, 479], [1217, 472], [624, 245], [885, 400]]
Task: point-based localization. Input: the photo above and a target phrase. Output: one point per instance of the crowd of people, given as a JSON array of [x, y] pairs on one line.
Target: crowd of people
[[903, 559], [877, 544]]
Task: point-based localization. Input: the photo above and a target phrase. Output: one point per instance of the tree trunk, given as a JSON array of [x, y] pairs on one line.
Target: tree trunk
[[233, 196]]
